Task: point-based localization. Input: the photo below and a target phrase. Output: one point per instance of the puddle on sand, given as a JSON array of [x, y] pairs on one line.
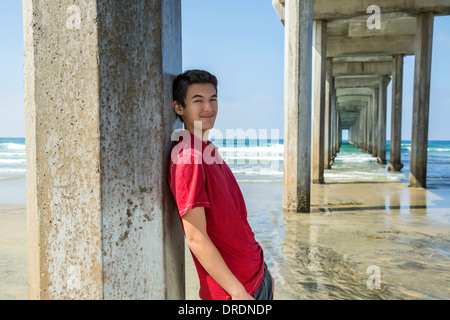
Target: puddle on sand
[[335, 255], [331, 254]]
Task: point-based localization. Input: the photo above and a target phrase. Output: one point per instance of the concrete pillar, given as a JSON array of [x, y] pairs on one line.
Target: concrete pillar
[[356, 134], [338, 132], [396, 118], [363, 128], [421, 100], [382, 98], [319, 68], [350, 135], [333, 126], [297, 112], [101, 220], [375, 101], [369, 125], [329, 87], [368, 121]]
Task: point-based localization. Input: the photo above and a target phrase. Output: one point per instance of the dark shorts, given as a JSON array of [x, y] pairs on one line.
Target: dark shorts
[[265, 289]]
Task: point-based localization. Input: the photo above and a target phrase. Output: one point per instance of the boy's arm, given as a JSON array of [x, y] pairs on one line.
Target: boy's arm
[[194, 223]]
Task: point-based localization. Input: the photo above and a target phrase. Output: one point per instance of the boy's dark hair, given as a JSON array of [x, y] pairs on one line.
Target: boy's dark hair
[[184, 80]]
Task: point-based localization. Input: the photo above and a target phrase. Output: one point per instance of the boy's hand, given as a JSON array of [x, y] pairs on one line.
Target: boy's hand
[[242, 296]]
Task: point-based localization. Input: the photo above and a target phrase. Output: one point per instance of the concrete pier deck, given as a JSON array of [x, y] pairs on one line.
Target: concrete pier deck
[[340, 57]]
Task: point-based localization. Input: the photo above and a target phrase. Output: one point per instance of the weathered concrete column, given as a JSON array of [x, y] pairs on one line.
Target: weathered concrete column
[[375, 101], [297, 113], [396, 118], [366, 123], [319, 68], [382, 98], [333, 126], [361, 127], [369, 125], [329, 87], [353, 130], [101, 220], [350, 135], [358, 130], [421, 100], [338, 132]]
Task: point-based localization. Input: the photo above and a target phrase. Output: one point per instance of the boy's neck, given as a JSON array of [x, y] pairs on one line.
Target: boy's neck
[[202, 135]]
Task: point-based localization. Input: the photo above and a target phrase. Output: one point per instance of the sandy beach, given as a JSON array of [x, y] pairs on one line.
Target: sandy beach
[[13, 252], [400, 232]]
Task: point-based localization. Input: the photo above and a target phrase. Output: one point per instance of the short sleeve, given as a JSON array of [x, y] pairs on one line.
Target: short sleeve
[[187, 182]]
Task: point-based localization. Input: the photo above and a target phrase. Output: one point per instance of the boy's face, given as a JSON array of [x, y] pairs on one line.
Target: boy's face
[[201, 105]]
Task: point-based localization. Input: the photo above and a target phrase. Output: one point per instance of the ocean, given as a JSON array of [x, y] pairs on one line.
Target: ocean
[[12, 158], [254, 160], [262, 161]]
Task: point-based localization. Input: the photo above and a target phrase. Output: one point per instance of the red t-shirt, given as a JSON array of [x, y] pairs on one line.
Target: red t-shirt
[[199, 177]]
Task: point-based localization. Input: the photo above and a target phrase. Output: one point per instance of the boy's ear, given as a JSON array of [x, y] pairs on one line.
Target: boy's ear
[[178, 108]]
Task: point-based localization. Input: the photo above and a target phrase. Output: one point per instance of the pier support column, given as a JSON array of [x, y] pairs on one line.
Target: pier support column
[[375, 121], [356, 129], [319, 69], [333, 126], [396, 118], [297, 105], [370, 125], [101, 220], [329, 87], [338, 132], [365, 116], [421, 100], [381, 146]]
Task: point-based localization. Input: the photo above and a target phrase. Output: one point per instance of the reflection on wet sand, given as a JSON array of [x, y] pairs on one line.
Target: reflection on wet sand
[[354, 229]]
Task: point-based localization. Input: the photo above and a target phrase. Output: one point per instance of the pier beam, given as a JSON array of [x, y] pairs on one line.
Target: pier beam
[[319, 68], [421, 100], [101, 220], [382, 99], [396, 118], [297, 105]]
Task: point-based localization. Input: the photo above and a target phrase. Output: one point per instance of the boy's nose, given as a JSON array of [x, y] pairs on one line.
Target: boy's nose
[[208, 106]]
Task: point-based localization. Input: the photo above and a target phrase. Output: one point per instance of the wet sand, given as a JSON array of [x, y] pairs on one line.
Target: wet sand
[[398, 234], [13, 253], [354, 233]]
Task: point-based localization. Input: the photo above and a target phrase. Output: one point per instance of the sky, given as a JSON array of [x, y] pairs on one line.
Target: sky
[[242, 43]]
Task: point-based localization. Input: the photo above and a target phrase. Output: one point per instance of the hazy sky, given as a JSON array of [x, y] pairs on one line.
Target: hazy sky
[[242, 43]]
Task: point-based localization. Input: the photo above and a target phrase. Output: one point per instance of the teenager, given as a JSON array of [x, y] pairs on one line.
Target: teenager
[[229, 261]]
